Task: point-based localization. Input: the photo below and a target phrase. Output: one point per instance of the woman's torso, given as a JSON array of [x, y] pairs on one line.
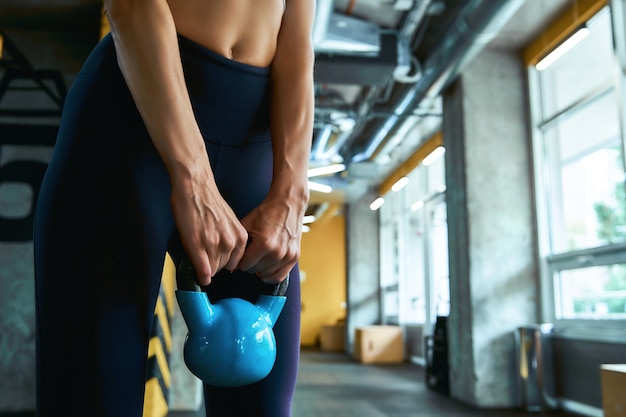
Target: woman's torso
[[241, 30]]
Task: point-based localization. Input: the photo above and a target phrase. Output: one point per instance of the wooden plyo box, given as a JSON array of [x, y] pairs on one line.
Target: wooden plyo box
[[379, 344], [333, 338], [613, 390]]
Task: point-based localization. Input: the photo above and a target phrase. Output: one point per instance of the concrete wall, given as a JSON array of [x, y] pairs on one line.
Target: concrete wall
[[22, 162], [493, 274], [17, 312], [363, 267]]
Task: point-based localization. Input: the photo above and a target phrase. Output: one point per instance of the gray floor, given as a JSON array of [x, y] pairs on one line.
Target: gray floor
[[333, 385]]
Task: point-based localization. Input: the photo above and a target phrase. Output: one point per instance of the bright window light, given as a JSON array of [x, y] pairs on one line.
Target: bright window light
[[322, 188], [308, 219], [325, 170], [376, 204], [562, 49], [398, 185], [434, 155], [417, 205]]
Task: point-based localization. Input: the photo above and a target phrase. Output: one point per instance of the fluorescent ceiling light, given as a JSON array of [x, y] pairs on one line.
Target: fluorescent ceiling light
[[325, 170], [417, 205], [346, 124], [308, 219], [398, 185], [562, 49], [322, 188], [434, 155], [376, 204]]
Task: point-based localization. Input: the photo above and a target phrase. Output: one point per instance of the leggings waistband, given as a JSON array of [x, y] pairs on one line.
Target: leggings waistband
[[192, 48], [230, 99]]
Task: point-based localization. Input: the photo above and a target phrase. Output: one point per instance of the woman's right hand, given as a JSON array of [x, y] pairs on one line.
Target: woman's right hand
[[210, 232], [146, 44]]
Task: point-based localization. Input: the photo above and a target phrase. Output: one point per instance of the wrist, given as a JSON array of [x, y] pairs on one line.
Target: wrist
[[188, 173], [296, 193]]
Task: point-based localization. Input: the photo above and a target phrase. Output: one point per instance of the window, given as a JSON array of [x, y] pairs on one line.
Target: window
[[596, 291], [580, 180], [413, 249]]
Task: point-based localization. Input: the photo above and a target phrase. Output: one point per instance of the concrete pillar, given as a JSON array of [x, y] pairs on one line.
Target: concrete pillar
[[17, 304], [493, 271], [363, 294]]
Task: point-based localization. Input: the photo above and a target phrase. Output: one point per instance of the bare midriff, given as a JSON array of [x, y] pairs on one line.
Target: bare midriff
[[242, 30]]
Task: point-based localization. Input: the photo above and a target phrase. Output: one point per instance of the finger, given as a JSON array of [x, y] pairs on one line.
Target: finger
[[276, 276], [202, 266], [270, 257], [252, 255], [221, 261], [235, 258]]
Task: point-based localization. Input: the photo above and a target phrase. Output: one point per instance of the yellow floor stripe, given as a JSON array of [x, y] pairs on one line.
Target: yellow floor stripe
[[155, 401], [164, 321], [155, 348], [168, 283], [154, 404]]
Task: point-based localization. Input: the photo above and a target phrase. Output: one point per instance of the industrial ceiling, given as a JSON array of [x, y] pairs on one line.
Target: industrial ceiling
[[380, 68]]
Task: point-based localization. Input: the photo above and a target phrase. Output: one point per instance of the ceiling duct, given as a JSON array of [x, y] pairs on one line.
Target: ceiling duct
[[478, 23], [354, 51], [335, 68], [348, 35], [335, 33]]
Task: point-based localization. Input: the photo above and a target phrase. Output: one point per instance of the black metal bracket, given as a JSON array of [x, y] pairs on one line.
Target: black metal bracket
[[19, 68]]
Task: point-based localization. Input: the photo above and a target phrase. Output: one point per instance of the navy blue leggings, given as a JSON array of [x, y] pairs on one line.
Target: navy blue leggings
[[104, 223]]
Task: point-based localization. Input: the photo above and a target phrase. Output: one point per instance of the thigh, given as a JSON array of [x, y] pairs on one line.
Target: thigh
[[102, 225]]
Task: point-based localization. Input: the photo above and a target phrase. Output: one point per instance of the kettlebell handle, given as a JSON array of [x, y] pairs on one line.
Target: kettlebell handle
[[279, 289], [186, 280], [186, 276]]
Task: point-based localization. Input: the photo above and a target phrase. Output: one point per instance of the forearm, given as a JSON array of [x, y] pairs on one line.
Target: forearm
[[293, 102], [275, 226], [291, 126], [147, 48]]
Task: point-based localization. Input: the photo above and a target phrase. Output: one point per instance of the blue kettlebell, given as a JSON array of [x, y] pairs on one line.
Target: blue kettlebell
[[229, 343]]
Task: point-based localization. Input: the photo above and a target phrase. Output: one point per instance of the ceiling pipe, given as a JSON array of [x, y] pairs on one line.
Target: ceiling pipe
[[414, 18], [477, 24], [321, 141], [323, 11]]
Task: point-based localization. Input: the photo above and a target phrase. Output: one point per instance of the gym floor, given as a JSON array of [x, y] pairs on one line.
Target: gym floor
[[334, 385]]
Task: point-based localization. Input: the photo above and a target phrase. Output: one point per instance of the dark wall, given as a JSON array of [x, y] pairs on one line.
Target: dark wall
[[29, 118], [577, 368]]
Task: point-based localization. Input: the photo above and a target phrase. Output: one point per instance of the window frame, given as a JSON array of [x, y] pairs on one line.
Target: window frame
[[550, 264]]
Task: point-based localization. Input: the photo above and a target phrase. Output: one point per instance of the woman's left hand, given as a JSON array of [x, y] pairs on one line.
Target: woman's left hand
[[274, 230]]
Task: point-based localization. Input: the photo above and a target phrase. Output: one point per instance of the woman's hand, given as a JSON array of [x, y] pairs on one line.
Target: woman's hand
[[274, 231], [275, 227], [210, 232], [146, 43]]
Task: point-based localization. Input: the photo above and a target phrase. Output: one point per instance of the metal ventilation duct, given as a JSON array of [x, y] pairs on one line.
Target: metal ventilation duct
[[351, 69], [355, 51], [335, 33], [350, 36], [478, 23]]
